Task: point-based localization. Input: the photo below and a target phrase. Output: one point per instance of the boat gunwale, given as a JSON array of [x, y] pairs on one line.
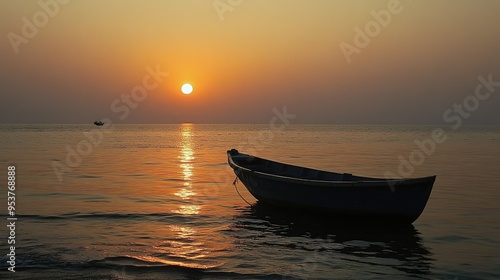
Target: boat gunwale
[[358, 183]]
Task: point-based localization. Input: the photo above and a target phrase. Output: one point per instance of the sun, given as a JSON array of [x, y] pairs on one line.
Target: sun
[[187, 88]]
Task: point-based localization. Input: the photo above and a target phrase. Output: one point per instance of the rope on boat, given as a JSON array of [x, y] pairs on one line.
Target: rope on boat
[[235, 182]]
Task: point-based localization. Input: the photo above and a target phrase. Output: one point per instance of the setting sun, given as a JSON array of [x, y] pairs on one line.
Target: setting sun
[[187, 88]]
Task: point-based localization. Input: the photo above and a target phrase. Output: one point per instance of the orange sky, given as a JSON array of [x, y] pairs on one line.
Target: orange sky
[[245, 60]]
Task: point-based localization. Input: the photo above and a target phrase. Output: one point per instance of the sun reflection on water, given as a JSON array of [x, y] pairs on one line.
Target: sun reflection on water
[[186, 158], [185, 193], [188, 210], [185, 245]]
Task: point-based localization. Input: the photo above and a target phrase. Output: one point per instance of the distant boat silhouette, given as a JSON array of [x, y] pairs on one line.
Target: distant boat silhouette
[[99, 123]]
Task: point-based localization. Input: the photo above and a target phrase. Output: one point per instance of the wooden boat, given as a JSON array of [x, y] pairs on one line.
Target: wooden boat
[[345, 195]]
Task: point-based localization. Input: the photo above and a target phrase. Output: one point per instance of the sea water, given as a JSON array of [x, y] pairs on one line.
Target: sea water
[[157, 202]]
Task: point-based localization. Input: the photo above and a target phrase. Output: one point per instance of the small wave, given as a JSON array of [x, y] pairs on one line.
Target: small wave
[[117, 266], [135, 175], [131, 265], [451, 238], [139, 262], [162, 262], [157, 268], [173, 180], [115, 216], [215, 164], [84, 176]]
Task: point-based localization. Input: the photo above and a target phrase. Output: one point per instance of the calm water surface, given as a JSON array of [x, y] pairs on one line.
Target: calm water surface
[[156, 202]]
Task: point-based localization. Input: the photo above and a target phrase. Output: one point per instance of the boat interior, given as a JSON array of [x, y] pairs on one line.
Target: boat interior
[[287, 170]]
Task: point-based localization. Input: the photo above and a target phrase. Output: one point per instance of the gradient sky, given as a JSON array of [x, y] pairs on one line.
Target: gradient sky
[[246, 61]]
